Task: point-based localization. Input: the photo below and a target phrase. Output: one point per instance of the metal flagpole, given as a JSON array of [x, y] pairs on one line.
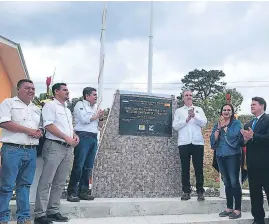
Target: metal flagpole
[[53, 76], [100, 76], [150, 56], [102, 59]]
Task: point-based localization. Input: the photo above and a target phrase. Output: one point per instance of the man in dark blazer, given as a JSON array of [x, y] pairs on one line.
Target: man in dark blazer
[[256, 139]]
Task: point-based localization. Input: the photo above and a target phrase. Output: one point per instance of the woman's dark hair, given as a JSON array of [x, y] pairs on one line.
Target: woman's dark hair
[[232, 108]]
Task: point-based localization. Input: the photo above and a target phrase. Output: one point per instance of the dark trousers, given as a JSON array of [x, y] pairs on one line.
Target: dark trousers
[[229, 167], [84, 155], [258, 179], [196, 152]]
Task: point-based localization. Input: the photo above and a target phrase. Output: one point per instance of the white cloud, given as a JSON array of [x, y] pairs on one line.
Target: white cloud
[[197, 8], [25, 8], [179, 46]]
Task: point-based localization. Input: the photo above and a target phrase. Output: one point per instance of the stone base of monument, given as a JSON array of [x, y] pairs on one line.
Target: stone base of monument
[[156, 208], [138, 155]]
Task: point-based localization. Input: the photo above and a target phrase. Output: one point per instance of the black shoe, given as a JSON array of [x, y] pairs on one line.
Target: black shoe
[[72, 198], [200, 197], [57, 217], [224, 214], [233, 215], [85, 195], [42, 220], [257, 222], [185, 197]]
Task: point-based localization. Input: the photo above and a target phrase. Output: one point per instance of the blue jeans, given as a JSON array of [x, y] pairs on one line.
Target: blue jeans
[[229, 167], [84, 155], [18, 166]]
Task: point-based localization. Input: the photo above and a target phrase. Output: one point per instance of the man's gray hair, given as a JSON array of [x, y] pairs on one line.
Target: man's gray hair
[[186, 90]]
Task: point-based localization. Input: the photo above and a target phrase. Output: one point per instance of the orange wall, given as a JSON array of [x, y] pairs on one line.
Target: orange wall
[[5, 86]]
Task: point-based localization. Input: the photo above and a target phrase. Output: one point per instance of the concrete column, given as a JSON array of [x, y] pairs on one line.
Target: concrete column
[[222, 187]]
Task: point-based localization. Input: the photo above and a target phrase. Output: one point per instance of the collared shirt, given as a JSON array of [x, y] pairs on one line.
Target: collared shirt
[[255, 121], [191, 132], [13, 109], [83, 113], [259, 117], [58, 114]]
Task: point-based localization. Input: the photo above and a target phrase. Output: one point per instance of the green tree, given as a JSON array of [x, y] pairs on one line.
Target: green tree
[[72, 103], [204, 84], [209, 92], [212, 106]]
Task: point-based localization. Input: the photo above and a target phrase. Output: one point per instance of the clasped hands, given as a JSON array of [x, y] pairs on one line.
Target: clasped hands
[[247, 134], [191, 114], [72, 141], [100, 114], [35, 133]]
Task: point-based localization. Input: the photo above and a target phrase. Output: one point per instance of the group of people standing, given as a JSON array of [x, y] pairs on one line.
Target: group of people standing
[[24, 124], [228, 137]]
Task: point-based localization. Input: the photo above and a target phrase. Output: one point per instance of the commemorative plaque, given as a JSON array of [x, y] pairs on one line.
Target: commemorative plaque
[[145, 116]]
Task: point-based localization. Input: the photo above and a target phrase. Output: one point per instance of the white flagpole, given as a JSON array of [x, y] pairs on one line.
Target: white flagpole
[[100, 76], [102, 59], [150, 56], [52, 81]]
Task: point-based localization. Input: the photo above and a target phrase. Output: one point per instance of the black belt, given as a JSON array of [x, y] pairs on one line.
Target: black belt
[[21, 146], [61, 143], [86, 134]]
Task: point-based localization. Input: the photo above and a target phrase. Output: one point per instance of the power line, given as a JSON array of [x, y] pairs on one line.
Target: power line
[[175, 88], [145, 83]]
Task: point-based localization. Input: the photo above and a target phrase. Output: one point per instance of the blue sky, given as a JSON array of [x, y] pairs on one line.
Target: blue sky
[[232, 36]]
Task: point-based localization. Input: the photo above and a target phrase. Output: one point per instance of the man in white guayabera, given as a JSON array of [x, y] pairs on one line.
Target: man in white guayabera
[[189, 121]]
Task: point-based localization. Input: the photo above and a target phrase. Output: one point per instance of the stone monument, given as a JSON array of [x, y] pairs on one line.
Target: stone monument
[[138, 154]]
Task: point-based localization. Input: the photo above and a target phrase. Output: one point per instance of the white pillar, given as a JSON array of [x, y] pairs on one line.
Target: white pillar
[[150, 56], [222, 187], [39, 167]]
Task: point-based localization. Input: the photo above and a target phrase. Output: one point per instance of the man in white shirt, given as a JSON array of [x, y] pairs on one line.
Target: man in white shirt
[[57, 155], [88, 120], [189, 121], [20, 120]]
